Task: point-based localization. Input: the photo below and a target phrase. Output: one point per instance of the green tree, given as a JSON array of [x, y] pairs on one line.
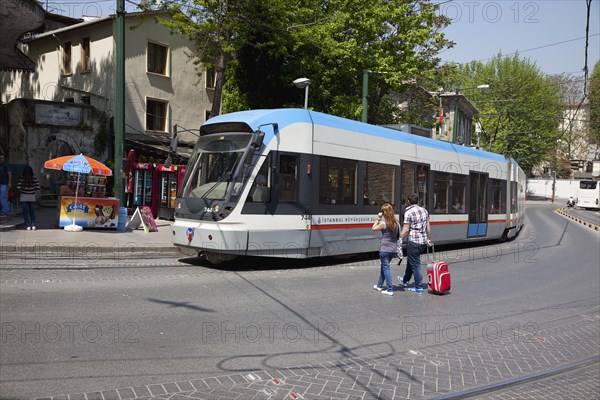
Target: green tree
[[218, 29], [520, 111], [261, 76], [594, 99], [261, 46], [339, 39]]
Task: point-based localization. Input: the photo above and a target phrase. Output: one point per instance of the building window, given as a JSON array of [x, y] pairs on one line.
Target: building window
[[157, 58], [337, 181], [156, 115], [378, 185], [211, 78], [67, 58], [85, 55]]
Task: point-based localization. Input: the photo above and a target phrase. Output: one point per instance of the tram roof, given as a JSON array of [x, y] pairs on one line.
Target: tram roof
[[262, 119]]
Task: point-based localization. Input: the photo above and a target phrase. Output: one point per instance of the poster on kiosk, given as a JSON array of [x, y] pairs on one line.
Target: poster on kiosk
[[144, 178], [169, 180]]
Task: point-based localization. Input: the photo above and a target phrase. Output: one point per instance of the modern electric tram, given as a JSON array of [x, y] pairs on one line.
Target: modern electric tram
[[298, 183]]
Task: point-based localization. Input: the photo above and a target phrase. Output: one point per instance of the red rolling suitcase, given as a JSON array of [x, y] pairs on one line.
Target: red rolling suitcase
[[438, 276]]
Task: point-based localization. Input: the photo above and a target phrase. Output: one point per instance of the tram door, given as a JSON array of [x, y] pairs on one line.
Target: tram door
[[478, 205]]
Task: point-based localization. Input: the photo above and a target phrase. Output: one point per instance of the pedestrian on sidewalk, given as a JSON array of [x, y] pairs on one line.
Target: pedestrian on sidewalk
[[416, 227], [5, 184], [390, 229], [27, 186]]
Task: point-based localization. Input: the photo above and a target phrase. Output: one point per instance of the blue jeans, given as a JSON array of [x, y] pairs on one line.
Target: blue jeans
[[413, 264], [28, 212], [385, 273], [5, 206]]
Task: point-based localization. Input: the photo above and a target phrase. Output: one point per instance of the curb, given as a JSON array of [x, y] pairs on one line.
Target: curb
[[11, 224], [562, 212]]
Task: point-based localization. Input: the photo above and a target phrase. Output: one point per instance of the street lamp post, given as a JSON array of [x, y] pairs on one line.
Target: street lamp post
[[303, 83]]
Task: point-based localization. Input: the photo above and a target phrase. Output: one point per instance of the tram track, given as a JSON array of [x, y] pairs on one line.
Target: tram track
[[501, 386]]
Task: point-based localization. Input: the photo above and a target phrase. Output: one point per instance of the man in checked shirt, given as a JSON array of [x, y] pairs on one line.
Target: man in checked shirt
[[416, 227]]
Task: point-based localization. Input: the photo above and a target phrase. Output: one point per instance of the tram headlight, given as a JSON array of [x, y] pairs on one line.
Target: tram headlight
[[216, 208]]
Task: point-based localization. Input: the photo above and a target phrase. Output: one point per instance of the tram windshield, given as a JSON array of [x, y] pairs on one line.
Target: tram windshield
[[213, 165]]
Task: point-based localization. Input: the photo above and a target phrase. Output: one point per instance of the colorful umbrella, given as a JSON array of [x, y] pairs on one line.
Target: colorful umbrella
[[82, 165]]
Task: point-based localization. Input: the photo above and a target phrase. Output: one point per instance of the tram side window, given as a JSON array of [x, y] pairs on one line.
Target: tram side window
[[414, 180], [441, 191], [513, 197], [337, 181], [457, 198], [498, 206], [262, 184], [378, 185], [288, 174]]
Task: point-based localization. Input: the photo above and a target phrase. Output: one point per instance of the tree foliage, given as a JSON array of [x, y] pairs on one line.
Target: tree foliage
[[574, 137], [336, 40], [216, 27], [520, 111], [594, 99], [261, 46]]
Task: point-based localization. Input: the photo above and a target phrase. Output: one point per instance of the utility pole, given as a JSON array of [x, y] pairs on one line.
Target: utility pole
[[554, 164], [365, 92], [455, 129], [119, 100]]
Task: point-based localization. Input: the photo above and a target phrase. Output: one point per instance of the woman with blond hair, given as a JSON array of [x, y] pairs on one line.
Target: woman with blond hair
[[390, 231]]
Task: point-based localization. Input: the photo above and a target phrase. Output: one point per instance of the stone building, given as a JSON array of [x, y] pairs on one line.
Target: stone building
[[75, 65]]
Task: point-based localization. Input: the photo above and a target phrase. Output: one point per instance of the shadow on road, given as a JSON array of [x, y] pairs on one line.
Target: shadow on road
[[248, 263]]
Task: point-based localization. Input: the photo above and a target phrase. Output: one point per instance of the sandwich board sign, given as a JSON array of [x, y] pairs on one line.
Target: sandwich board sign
[[143, 216]]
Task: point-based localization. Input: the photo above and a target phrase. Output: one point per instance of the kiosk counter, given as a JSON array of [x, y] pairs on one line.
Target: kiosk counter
[[89, 212]]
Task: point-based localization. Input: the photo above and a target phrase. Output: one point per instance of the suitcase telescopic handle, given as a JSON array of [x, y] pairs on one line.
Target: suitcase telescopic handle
[[432, 252]]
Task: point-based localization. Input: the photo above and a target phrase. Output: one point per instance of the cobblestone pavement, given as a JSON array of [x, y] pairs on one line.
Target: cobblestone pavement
[[433, 372], [78, 271]]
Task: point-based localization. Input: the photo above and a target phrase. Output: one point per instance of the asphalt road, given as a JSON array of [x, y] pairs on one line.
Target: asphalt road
[[104, 329]]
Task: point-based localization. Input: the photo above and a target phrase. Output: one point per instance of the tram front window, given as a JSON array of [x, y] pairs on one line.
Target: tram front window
[[214, 164]]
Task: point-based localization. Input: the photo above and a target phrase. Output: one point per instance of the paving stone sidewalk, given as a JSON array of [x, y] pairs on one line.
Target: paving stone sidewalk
[[435, 371], [48, 242]]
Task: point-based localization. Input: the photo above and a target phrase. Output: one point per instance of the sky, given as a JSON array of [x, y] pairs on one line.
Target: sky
[[542, 30], [548, 32]]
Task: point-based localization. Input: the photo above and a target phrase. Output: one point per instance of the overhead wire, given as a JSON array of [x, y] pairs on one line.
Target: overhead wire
[[544, 46]]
